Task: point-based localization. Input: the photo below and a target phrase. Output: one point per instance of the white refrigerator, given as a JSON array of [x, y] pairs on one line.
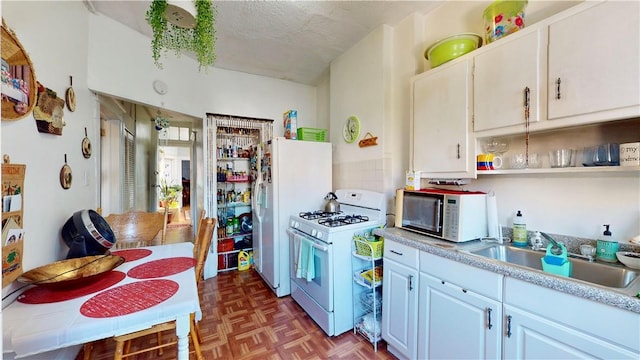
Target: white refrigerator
[[294, 176]]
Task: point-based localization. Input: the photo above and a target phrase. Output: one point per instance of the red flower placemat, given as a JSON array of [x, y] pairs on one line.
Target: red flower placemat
[[129, 298], [161, 268], [132, 254], [46, 295]]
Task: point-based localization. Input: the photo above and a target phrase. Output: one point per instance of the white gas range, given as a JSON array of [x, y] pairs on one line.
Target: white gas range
[[321, 284]]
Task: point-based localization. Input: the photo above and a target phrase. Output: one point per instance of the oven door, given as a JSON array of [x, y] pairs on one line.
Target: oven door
[[319, 285]]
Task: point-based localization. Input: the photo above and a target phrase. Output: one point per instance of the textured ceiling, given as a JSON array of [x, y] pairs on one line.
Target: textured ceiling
[[288, 40]]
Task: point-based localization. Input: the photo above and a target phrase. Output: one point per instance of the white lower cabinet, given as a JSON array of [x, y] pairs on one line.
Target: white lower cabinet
[[457, 323], [464, 312], [528, 336], [400, 299], [460, 314], [542, 323]]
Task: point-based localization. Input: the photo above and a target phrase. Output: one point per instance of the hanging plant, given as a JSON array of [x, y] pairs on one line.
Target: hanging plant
[[161, 122], [167, 36]]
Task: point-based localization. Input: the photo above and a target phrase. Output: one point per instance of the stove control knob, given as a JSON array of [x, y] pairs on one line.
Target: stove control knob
[[319, 235], [313, 232], [295, 224]]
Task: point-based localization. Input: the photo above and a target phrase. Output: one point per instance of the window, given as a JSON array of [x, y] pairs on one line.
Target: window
[[175, 133], [128, 192]]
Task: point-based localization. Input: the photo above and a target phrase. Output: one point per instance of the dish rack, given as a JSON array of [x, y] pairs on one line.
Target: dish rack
[[367, 289]]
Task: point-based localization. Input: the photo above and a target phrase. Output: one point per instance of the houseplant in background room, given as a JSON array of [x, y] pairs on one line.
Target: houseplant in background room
[[176, 28], [169, 193]]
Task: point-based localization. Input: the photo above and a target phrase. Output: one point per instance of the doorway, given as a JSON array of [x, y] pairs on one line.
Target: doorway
[[131, 149], [175, 152]]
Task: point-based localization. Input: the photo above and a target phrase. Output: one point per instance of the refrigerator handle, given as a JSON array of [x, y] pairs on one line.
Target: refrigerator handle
[[257, 200], [254, 198]]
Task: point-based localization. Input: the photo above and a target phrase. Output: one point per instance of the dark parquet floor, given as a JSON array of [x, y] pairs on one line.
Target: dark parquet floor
[[243, 319]]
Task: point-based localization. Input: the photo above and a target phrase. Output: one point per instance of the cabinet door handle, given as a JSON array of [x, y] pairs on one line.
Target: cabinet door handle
[[458, 150], [410, 282], [508, 326], [558, 89], [489, 325], [527, 102], [395, 252]]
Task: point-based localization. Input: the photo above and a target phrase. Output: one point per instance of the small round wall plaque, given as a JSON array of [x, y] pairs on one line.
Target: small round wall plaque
[[65, 174]]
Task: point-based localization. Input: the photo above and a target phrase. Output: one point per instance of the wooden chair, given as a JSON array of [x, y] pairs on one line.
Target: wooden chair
[[123, 342], [201, 216], [138, 228], [201, 246]]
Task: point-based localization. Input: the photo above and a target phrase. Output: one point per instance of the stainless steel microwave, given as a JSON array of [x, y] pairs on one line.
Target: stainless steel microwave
[[450, 215]]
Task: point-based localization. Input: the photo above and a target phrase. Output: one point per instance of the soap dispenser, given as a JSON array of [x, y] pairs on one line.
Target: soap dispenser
[[606, 247], [519, 231]]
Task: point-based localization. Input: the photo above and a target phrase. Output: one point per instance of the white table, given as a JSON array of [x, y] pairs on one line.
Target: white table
[[36, 328]]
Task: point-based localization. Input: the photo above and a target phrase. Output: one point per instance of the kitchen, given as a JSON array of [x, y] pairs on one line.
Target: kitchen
[[575, 205]]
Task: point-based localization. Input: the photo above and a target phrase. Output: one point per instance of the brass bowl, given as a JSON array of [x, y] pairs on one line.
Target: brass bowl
[[70, 273]]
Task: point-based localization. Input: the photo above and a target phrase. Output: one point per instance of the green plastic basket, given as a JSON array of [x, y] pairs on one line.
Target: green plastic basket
[[312, 134]]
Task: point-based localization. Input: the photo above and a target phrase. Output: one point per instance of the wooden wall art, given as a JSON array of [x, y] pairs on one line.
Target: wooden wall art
[[86, 145], [49, 111], [368, 140], [65, 174], [70, 96], [18, 78]]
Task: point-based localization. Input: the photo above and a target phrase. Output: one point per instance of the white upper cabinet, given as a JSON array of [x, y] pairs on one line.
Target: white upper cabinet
[[441, 122], [505, 78], [594, 63]]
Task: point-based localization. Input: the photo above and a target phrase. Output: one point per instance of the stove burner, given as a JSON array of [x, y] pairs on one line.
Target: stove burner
[[318, 214], [342, 220]]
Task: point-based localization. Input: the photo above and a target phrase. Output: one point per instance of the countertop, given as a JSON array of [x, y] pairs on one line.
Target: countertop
[[622, 298]]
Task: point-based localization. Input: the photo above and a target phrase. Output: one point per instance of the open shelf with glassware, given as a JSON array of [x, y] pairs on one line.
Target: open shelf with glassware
[[367, 288], [584, 142]]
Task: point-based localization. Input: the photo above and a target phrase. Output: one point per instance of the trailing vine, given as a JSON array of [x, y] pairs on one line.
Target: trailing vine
[[167, 36]]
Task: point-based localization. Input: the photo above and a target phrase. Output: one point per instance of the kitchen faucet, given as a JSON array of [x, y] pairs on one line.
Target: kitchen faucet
[[556, 249]]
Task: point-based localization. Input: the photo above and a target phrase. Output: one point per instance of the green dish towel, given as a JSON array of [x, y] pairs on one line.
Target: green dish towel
[[305, 268]]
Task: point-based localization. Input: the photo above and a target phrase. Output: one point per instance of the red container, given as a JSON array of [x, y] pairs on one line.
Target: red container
[[225, 245]]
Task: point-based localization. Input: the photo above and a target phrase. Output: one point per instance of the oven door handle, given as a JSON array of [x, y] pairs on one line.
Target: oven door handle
[[320, 247], [293, 232]]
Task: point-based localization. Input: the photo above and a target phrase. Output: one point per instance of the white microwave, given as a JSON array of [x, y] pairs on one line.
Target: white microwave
[[447, 214]]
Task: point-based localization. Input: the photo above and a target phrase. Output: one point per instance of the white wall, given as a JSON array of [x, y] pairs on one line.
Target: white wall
[[190, 92], [57, 46], [357, 87]]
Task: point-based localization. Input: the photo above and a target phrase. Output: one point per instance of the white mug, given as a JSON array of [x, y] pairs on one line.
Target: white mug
[[497, 161]]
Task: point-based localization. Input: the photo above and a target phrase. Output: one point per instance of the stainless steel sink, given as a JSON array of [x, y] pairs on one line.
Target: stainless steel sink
[[610, 275]]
